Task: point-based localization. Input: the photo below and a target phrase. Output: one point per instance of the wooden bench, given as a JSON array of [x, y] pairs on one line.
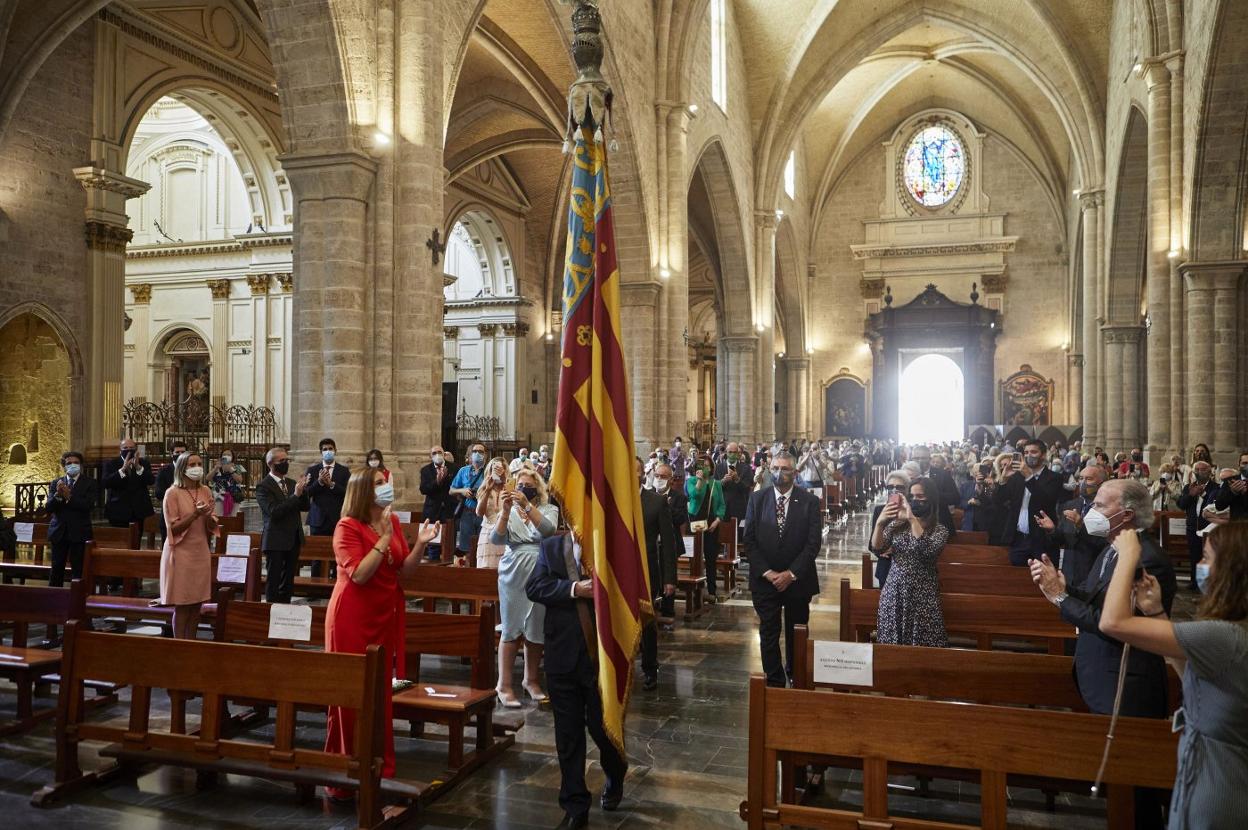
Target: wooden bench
[[995, 743], [970, 537], [321, 549], [976, 554], [21, 606], [959, 578], [291, 677], [430, 584], [729, 559], [984, 617], [690, 575], [1174, 544], [33, 559]]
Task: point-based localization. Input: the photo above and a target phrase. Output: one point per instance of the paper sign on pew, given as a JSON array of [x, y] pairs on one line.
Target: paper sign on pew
[[817, 492], [688, 545], [1178, 527], [845, 664], [232, 569], [25, 532], [238, 544], [290, 622]]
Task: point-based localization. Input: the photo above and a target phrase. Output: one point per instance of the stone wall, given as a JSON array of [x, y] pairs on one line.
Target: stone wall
[[34, 403]]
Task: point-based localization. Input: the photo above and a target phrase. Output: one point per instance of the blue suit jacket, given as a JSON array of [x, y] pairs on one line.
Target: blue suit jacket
[[71, 519], [326, 502], [550, 585]]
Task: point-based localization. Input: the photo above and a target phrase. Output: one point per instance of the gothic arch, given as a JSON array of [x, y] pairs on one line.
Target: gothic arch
[[730, 239], [75, 382], [1128, 255], [789, 292]]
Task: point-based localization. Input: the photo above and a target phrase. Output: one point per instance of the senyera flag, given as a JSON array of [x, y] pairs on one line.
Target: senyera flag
[[595, 472]]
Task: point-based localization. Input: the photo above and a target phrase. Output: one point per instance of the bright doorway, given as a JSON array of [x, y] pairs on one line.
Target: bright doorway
[[931, 401]]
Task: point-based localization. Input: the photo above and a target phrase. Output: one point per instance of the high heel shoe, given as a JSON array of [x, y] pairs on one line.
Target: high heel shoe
[[539, 698], [507, 699]]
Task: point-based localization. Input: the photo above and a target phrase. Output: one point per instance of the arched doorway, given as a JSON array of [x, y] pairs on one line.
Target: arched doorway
[[35, 426], [930, 403], [187, 368]]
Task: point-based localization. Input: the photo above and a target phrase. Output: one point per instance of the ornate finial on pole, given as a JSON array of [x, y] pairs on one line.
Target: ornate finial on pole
[[974, 293], [888, 296], [589, 99]]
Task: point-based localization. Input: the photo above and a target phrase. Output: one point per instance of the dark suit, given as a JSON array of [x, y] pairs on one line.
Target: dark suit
[[70, 528], [1237, 502], [439, 505], [947, 492], [571, 678], [1080, 548], [661, 559], [325, 503], [736, 494], [1195, 505], [796, 551], [128, 497], [283, 535], [1046, 492]]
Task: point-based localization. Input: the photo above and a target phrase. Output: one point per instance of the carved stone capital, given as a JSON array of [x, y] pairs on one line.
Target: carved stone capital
[[102, 236], [1091, 199], [766, 220], [97, 178], [142, 293], [450, 332], [259, 284], [220, 289], [1122, 334], [740, 343], [1075, 360], [286, 281], [872, 289], [517, 329], [487, 329]]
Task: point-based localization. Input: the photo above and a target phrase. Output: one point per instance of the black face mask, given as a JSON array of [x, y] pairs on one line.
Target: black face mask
[[1136, 457], [529, 491], [282, 467], [920, 509]]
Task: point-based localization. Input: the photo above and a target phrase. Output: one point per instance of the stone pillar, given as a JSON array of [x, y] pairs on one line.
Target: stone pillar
[[799, 397], [1178, 371], [1075, 373], [1159, 346], [674, 262], [515, 373], [107, 234], [643, 345], [1123, 401], [736, 405], [331, 320], [136, 384], [259, 284], [1213, 355], [1090, 202], [1112, 438], [218, 338], [764, 317]]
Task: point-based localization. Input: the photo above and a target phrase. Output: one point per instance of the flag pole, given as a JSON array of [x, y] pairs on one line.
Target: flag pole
[[589, 98]]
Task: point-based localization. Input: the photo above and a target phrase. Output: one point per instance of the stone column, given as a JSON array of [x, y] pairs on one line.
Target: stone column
[[1159, 346], [332, 355], [218, 338], [1112, 438], [107, 235], [799, 397], [674, 262], [1178, 371], [643, 346], [1133, 397], [1213, 356], [736, 405], [1075, 373], [515, 354], [1090, 202], [259, 285], [764, 316], [140, 372]]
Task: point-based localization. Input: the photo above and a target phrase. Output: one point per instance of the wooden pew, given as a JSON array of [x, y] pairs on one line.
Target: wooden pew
[[959, 578], [28, 562], [22, 606], [729, 559], [430, 584], [982, 616], [321, 549], [139, 565], [291, 677], [233, 524], [1174, 544], [970, 537], [976, 554], [690, 576], [994, 742]]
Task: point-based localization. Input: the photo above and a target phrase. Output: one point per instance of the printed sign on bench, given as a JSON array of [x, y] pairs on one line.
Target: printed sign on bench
[[846, 664], [290, 622], [232, 569]]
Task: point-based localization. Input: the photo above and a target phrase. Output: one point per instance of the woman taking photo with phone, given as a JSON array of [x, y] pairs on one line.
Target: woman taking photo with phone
[[186, 560], [525, 520], [909, 532], [1213, 750], [489, 505]]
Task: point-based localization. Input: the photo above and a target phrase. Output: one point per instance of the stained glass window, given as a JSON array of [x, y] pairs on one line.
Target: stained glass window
[[935, 165]]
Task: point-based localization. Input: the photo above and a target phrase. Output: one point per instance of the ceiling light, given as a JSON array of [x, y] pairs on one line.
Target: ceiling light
[[759, 326], [693, 109], [1137, 67], [810, 350], [781, 355], [550, 335], [1173, 253], [380, 138], [1077, 191], [779, 214], [664, 273]]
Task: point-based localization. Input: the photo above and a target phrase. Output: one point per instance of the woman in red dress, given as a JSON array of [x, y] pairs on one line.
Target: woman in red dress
[[367, 604]]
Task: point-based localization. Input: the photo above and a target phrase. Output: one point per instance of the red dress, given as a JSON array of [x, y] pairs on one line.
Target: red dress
[[363, 615]]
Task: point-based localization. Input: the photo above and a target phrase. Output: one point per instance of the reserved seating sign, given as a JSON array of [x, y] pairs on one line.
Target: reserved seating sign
[[25, 532], [845, 664], [290, 622], [232, 569]]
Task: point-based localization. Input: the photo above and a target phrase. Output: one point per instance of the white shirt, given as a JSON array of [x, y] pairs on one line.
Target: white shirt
[[1024, 526], [576, 553], [788, 497]]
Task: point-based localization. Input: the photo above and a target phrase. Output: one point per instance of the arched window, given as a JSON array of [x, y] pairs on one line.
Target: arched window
[[719, 54], [790, 175], [478, 257]]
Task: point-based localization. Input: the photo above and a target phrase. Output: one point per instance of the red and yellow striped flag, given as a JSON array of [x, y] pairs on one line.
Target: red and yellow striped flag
[[595, 474]]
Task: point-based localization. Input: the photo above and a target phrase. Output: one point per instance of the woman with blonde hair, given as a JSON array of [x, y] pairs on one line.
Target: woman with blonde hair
[[489, 506], [1213, 750], [367, 605], [525, 520], [186, 559]]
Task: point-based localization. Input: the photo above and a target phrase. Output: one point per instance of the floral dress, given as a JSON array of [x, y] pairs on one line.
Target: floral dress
[[910, 612]]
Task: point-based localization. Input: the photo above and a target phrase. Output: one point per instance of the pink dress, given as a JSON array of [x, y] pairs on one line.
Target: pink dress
[[186, 560]]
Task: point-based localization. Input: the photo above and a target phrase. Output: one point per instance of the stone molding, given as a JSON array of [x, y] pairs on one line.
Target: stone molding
[[286, 281], [766, 220], [142, 293], [1005, 245], [740, 343], [1075, 360], [872, 289], [97, 178], [319, 176], [995, 283], [220, 289], [484, 302], [1122, 334], [238, 344], [1091, 199], [221, 246], [642, 293], [1213, 275], [104, 236]]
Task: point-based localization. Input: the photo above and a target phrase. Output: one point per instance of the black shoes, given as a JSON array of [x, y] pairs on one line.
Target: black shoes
[[571, 822], [611, 798], [650, 683]]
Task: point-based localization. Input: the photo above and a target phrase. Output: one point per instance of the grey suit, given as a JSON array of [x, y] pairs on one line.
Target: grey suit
[[283, 535]]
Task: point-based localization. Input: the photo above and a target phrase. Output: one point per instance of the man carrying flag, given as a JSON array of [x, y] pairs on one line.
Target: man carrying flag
[[590, 647]]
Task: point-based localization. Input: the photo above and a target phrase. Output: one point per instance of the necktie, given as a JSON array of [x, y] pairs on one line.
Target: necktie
[[1109, 557], [285, 492], [780, 513]]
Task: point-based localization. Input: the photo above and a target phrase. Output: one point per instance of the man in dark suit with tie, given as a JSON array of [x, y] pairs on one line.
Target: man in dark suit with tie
[[1120, 506], [281, 500], [783, 532], [1028, 489], [1201, 493], [126, 479], [164, 480], [326, 491], [1067, 533], [736, 478], [558, 582], [72, 496], [661, 561], [435, 486]]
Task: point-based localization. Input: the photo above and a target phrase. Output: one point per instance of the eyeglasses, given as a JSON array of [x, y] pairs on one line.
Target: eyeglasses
[[895, 488]]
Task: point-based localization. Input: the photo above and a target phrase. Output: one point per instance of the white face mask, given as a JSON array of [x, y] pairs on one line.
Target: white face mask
[[1097, 523], [374, 462], [661, 485], [194, 473], [438, 459]]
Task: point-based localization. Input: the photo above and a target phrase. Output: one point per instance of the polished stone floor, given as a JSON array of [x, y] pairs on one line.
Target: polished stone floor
[[687, 751]]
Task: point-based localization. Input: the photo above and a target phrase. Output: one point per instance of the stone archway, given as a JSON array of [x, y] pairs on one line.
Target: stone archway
[[36, 426]]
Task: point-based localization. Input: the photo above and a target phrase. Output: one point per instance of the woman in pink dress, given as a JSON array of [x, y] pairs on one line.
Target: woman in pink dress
[[186, 560], [367, 605]]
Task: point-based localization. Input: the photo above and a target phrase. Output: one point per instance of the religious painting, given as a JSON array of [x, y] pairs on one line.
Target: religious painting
[[845, 407], [1026, 398]]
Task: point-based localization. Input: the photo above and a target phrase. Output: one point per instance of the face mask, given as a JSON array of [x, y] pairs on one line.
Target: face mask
[[281, 468], [1202, 477], [1033, 461], [478, 459], [225, 459], [545, 455], [1165, 477], [529, 491], [676, 445], [438, 459], [1096, 523], [194, 473], [72, 470], [1088, 490], [496, 478], [783, 477], [921, 509], [732, 458], [383, 494], [327, 456], [533, 458], [661, 485], [374, 463], [1243, 470], [1202, 575], [1137, 457]]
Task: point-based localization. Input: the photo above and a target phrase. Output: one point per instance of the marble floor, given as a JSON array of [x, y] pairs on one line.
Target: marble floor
[[687, 750]]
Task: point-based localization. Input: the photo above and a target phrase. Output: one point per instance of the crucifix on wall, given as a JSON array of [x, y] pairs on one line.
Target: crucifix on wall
[[436, 246]]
